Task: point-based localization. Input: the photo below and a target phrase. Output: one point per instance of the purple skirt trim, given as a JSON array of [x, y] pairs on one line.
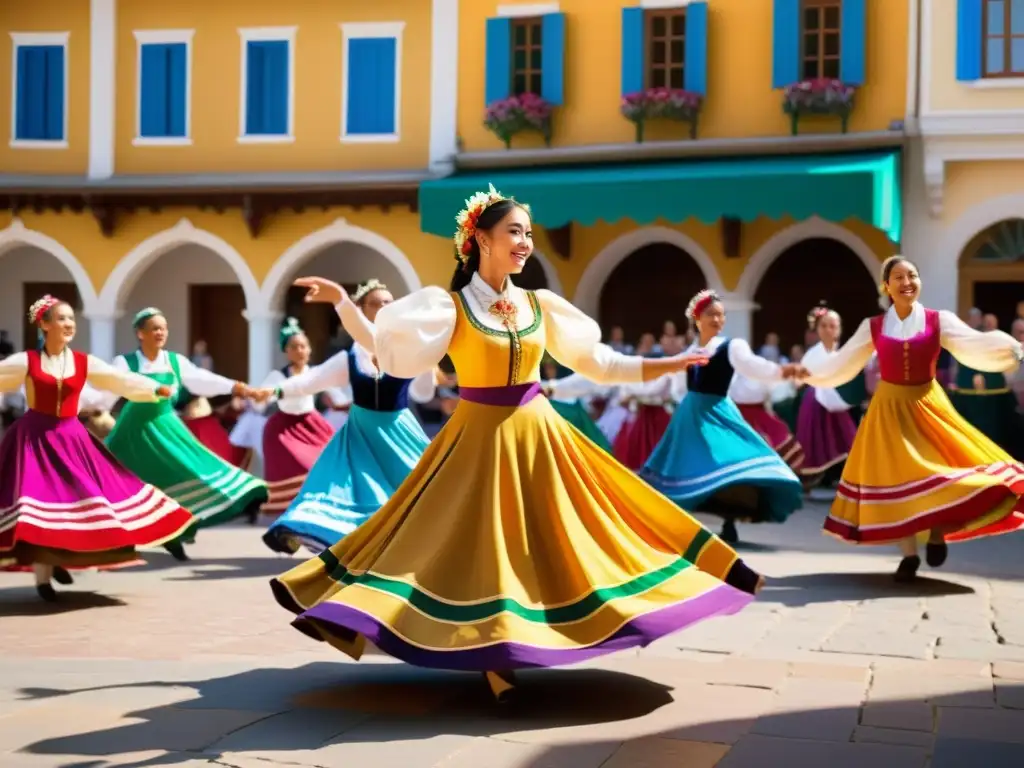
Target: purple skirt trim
[[641, 631], [515, 395]]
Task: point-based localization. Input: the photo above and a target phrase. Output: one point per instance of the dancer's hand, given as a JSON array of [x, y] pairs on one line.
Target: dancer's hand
[[685, 361], [261, 395], [978, 381], [164, 391], [794, 371], [321, 290], [760, 585]]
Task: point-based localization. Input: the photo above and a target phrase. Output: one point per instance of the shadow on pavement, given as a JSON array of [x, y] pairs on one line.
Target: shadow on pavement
[[24, 602], [281, 715], [220, 568], [810, 588]]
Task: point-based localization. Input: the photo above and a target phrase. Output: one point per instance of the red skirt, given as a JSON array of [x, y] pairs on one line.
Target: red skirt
[[640, 435], [775, 433], [291, 446], [211, 433]]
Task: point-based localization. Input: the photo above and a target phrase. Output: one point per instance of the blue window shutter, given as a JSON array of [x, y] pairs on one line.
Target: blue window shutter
[[498, 84], [786, 43], [32, 99], [552, 81], [254, 88], [853, 45], [275, 82], [696, 52], [177, 90], [153, 99], [632, 50], [54, 128], [23, 125], [968, 40], [372, 71]]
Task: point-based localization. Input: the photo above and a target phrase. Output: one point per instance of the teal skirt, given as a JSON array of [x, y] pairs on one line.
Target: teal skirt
[[576, 414]]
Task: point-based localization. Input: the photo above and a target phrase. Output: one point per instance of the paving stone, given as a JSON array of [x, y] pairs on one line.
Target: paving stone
[[764, 752], [1010, 694], [936, 667], [497, 753], [813, 709], [944, 690], [838, 672], [125, 760], [957, 648], [1004, 725], [873, 735], [666, 753], [908, 644], [963, 753], [901, 715], [298, 729], [1009, 670]]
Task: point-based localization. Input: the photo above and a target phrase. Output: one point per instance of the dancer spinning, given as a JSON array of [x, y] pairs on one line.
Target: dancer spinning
[[155, 444], [514, 542], [372, 453], [825, 427], [710, 458], [917, 468], [565, 395], [65, 502], [752, 398], [295, 435]]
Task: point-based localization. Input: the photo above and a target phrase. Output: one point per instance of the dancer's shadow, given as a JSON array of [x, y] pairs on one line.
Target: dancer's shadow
[[24, 602], [283, 710], [220, 568], [809, 588]]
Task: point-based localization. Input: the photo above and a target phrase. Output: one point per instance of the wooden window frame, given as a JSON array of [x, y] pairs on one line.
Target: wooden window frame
[[1007, 37], [669, 65], [532, 76], [821, 57]]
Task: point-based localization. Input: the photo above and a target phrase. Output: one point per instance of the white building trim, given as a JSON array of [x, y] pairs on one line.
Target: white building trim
[[964, 148], [17, 234], [780, 242], [550, 273], [362, 30], [588, 291], [266, 34], [19, 39], [163, 36], [102, 87], [444, 86], [128, 270], [275, 284], [527, 11], [977, 218]]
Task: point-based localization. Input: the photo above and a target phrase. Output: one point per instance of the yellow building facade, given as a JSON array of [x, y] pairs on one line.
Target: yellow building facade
[[966, 202], [198, 157]]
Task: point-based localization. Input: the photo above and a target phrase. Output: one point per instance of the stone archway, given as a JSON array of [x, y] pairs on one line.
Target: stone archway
[[991, 271]]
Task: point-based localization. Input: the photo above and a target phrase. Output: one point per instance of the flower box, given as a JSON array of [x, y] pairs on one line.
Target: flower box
[[525, 112], [662, 104], [822, 96]]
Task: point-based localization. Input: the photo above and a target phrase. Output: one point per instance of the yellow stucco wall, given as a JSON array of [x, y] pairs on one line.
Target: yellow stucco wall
[[945, 93], [48, 16], [971, 184], [740, 100], [216, 83]]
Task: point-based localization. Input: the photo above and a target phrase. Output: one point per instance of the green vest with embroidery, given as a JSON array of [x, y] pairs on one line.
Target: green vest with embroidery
[[170, 379]]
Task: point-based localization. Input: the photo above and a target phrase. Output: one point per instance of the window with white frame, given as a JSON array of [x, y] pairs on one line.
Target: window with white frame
[[164, 86], [268, 84], [372, 77], [39, 101]]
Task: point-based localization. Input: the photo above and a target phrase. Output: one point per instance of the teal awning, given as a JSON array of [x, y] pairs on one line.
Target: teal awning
[[834, 187]]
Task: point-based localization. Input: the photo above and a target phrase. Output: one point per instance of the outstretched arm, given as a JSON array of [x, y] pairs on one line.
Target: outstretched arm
[[839, 368], [989, 351]]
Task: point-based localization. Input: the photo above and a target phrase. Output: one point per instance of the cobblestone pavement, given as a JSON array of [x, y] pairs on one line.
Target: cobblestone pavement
[[835, 665]]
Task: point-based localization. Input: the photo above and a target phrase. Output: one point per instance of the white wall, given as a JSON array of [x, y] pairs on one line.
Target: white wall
[[165, 284], [349, 262], [27, 264]]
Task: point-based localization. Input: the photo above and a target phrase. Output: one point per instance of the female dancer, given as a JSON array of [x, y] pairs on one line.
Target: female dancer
[[64, 501], [513, 543], [207, 426], [710, 458], [648, 403], [295, 435], [825, 427], [153, 442], [565, 393], [752, 397], [917, 468], [374, 451]]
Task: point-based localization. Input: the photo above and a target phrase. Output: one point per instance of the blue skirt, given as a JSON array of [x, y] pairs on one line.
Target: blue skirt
[[358, 471], [711, 460]]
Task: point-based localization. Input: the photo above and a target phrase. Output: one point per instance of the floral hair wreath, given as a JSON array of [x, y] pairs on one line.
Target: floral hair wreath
[[364, 290], [819, 312], [700, 302], [143, 315], [468, 216], [39, 308]]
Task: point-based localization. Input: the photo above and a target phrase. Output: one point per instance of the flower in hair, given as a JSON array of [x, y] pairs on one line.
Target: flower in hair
[[700, 302], [290, 328], [39, 307], [468, 216], [816, 314], [371, 285]]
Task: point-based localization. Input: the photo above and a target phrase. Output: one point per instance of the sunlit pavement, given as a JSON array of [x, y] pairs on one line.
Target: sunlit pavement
[[835, 665]]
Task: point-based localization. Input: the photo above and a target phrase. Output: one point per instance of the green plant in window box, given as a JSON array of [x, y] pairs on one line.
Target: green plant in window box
[[662, 104], [821, 96], [524, 112]]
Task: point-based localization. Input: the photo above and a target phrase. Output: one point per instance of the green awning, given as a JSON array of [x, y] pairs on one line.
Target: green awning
[[834, 187]]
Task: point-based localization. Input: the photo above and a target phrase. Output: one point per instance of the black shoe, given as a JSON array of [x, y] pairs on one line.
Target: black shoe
[[729, 534], [907, 570], [61, 576], [935, 554], [252, 512], [177, 550], [47, 592]]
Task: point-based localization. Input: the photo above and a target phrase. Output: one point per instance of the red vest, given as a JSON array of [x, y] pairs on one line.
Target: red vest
[[45, 396]]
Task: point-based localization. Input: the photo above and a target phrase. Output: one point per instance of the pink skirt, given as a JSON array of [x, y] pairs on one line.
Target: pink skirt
[[291, 446], [775, 433], [640, 435]]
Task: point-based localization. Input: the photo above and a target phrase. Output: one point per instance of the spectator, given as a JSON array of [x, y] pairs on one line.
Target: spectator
[[989, 322], [617, 340], [974, 318], [201, 356], [770, 350], [646, 347]]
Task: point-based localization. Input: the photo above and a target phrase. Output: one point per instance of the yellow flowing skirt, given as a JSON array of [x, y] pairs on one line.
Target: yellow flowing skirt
[[515, 542], [917, 465]]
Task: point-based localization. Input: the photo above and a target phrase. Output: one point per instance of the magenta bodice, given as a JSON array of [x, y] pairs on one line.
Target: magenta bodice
[[912, 361]]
